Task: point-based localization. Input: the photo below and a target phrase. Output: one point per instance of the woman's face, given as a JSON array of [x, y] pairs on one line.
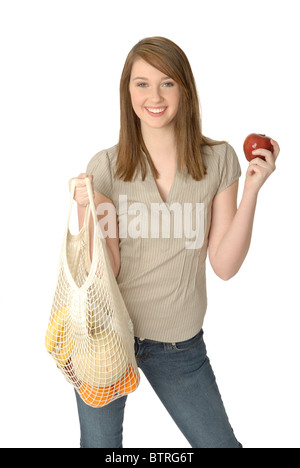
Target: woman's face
[[155, 97]]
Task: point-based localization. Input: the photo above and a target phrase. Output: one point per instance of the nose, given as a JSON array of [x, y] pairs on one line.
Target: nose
[[156, 96]]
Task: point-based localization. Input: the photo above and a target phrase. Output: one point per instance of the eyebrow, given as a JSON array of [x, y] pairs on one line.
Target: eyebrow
[[146, 79]]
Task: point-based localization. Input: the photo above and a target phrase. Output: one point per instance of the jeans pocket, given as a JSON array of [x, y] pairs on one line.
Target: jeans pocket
[[191, 343]]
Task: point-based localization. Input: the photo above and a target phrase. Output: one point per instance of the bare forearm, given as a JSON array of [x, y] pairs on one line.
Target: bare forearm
[[235, 244]]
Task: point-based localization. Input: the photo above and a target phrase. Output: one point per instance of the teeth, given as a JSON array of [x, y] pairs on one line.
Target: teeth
[[156, 111]]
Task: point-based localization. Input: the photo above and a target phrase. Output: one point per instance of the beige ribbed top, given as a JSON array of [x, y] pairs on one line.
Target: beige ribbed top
[[163, 246]]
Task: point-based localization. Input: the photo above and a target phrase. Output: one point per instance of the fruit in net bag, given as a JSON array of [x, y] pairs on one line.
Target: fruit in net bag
[[128, 382], [102, 360], [55, 329], [96, 396]]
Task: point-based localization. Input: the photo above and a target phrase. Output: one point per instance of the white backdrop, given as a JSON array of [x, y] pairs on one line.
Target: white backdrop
[[61, 62]]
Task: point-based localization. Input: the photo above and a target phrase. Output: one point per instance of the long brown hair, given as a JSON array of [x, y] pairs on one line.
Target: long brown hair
[[168, 58]]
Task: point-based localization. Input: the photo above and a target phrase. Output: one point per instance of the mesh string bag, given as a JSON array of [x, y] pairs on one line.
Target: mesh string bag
[[90, 334]]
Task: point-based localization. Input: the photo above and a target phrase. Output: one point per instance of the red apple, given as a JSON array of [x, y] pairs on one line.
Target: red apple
[[256, 141]]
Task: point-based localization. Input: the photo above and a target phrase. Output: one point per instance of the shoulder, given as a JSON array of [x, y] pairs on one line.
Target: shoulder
[[219, 156], [101, 167], [217, 150], [222, 164], [106, 157]]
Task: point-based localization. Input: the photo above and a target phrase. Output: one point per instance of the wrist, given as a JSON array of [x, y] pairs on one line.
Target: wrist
[[250, 193]]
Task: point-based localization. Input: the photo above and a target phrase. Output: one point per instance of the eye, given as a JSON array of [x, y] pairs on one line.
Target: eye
[[169, 84], [142, 85]]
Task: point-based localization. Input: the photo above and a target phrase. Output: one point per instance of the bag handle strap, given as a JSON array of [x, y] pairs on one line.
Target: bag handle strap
[[90, 208], [97, 232], [91, 201]]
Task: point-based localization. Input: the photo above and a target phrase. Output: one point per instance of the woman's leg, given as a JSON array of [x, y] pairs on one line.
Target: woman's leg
[[101, 427], [183, 379]]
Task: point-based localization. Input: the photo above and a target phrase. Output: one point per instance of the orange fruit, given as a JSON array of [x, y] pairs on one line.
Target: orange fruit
[[96, 396], [128, 382]]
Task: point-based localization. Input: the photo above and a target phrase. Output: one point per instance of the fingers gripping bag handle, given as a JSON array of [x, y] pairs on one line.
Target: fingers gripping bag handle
[[90, 334], [90, 207]]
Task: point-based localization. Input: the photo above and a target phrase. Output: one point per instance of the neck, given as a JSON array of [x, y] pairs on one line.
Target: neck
[[160, 142]]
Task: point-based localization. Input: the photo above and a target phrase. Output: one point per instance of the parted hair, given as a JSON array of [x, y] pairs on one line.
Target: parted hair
[[168, 58]]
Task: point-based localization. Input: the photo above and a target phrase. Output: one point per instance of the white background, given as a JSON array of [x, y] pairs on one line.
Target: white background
[[61, 62]]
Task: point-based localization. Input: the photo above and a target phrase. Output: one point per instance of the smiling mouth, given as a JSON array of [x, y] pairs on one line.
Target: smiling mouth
[[156, 111]]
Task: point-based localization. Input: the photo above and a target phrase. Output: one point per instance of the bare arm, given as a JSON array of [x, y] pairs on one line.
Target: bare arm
[[231, 228], [231, 231]]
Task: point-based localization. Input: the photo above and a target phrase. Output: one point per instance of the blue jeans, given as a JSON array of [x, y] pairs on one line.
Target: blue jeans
[[182, 377]]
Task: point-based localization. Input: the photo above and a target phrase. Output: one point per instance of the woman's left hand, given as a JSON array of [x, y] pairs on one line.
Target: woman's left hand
[[259, 170]]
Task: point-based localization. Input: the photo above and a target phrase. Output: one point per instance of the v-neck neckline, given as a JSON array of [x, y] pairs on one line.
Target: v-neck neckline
[[167, 201], [170, 193]]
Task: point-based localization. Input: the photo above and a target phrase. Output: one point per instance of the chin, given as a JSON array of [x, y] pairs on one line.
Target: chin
[[158, 124]]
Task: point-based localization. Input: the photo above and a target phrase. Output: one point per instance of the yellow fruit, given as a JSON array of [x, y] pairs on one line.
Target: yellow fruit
[[101, 360], [66, 346], [55, 328], [90, 321]]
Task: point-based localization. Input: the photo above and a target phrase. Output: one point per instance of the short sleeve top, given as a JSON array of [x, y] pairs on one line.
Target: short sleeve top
[[163, 246]]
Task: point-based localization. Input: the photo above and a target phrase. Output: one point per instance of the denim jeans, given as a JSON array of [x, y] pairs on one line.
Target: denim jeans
[[182, 377]]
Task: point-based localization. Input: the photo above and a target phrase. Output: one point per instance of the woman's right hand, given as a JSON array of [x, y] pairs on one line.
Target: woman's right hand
[[81, 193]]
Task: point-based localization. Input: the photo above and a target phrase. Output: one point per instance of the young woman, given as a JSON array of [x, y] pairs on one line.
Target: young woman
[[167, 195]]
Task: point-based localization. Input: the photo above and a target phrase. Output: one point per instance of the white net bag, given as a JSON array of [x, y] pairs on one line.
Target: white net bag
[[90, 334]]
